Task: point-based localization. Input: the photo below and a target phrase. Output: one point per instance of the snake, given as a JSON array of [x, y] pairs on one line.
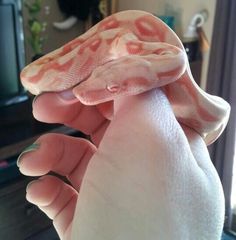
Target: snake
[[128, 53], [128, 58]]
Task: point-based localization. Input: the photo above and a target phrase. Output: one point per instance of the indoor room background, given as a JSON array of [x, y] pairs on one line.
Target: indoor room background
[[211, 51]]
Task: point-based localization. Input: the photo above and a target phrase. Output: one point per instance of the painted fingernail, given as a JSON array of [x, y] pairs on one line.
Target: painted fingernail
[[34, 100], [30, 148]]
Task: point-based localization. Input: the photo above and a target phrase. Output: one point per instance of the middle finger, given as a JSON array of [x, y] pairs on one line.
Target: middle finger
[[64, 155]]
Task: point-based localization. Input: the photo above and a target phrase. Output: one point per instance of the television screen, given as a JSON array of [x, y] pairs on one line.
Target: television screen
[[11, 52]]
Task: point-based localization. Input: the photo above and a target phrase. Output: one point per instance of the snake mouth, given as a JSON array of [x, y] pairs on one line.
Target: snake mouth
[[67, 95]]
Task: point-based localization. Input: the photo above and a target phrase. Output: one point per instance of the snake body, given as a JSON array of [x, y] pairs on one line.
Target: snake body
[[145, 181], [128, 53]]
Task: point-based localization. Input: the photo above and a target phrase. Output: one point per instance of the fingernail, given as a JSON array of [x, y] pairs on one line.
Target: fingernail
[[67, 95], [30, 148], [32, 183]]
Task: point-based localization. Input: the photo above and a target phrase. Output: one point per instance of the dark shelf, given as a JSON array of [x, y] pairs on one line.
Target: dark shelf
[[18, 129]]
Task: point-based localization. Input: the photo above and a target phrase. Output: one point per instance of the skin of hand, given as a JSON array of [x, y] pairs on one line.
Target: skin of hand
[[69, 156]]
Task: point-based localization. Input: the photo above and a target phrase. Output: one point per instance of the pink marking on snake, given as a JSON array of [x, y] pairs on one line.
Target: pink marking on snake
[[94, 45], [147, 27], [71, 45], [110, 40], [134, 47], [128, 83], [49, 66], [109, 23], [91, 44]]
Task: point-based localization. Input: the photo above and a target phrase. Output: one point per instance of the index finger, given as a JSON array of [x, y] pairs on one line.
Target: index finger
[[52, 108]]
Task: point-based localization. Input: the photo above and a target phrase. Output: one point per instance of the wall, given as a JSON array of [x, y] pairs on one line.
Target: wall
[[183, 10], [55, 38]]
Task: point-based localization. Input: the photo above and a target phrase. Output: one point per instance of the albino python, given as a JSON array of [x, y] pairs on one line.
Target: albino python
[[145, 181]]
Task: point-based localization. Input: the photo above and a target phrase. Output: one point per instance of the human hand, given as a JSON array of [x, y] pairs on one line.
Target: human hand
[[64, 155], [69, 157]]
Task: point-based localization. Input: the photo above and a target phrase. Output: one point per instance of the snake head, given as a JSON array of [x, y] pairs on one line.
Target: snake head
[[132, 75]]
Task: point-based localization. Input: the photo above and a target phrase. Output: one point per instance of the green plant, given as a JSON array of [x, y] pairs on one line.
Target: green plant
[[35, 26]]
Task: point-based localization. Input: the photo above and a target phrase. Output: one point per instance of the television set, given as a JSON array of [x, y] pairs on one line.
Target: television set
[[12, 53]]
